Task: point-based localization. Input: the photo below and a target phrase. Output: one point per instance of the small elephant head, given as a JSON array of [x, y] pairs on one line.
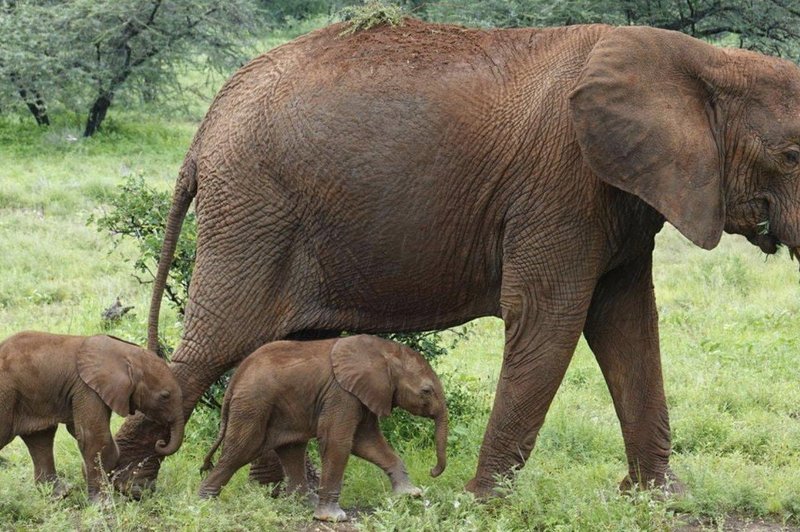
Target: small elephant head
[[128, 378], [384, 374]]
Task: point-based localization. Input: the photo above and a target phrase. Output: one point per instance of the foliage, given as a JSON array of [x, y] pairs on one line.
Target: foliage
[[85, 54], [283, 12], [770, 26], [139, 212]]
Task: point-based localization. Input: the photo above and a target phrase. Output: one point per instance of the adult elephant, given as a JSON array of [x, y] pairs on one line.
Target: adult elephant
[[416, 177]]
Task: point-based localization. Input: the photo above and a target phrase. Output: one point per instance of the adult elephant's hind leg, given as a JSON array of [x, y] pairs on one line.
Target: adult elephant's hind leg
[[267, 471], [542, 329], [233, 309], [622, 331]]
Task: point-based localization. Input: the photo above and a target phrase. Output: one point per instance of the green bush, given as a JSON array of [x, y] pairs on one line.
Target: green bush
[[139, 212]]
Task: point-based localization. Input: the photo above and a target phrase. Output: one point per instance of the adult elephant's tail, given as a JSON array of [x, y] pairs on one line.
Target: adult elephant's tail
[[185, 191]]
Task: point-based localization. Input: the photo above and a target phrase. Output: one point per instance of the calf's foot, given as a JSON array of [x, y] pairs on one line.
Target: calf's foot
[[407, 489], [330, 512]]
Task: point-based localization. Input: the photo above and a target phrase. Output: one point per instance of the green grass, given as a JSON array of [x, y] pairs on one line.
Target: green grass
[[729, 350]]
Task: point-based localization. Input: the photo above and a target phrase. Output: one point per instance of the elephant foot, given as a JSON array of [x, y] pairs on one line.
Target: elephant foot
[[136, 480], [407, 489], [312, 499], [137, 467], [330, 512], [307, 495], [208, 492], [60, 489], [664, 485], [100, 498], [483, 490]]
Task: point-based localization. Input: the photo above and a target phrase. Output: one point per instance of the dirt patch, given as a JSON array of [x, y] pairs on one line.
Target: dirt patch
[[354, 514]]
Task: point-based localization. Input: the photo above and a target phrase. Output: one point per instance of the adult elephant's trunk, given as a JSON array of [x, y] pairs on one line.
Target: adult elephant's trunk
[[441, 443], [185, 190], [175, 439]]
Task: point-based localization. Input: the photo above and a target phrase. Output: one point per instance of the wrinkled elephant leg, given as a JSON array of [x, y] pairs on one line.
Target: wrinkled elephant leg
[[267, 470], [138, 464], [335, 453], [622, 331], [244, 441], [543, 321], [294, 459], [228, 316]]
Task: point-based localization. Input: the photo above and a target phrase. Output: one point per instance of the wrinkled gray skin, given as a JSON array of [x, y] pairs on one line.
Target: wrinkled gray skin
[[47, 379], [415, 177], [335, 390]]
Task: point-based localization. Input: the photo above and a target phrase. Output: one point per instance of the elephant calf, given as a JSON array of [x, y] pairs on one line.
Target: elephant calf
[[288, 392], [47, 379]]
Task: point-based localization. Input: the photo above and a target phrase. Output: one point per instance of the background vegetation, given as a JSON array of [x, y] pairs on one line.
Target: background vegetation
[[727, 317]]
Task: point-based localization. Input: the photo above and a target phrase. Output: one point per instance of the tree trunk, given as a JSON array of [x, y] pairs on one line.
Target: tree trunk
[[98, 113], [36, 106]]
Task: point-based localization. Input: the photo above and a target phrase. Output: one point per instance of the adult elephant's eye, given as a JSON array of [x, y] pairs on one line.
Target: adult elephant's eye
[[791, 157]]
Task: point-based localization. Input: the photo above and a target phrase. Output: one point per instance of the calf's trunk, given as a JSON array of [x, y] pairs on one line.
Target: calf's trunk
[[441, 422]]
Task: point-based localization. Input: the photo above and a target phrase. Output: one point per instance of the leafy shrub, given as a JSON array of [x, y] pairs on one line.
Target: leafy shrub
[[139, 212]]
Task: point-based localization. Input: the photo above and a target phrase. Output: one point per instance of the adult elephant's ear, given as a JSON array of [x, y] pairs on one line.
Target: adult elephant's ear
[[360, 367], [644, 115], [103, 365]]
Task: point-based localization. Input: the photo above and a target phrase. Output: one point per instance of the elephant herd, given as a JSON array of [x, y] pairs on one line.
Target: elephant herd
[[415, 177]]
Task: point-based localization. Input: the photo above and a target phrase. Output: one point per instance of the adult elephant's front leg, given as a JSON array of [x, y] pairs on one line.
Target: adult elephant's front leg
[[622, 331], [543, 322]]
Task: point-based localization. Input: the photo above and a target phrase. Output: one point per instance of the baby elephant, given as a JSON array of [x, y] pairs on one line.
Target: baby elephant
[[47, 379], [286, 393]]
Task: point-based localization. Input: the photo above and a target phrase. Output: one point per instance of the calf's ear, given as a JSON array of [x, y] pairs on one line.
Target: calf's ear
[[360, 367], [104, 365]]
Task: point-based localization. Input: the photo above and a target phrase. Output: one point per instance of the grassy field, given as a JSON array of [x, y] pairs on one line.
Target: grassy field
[[729, 349]]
